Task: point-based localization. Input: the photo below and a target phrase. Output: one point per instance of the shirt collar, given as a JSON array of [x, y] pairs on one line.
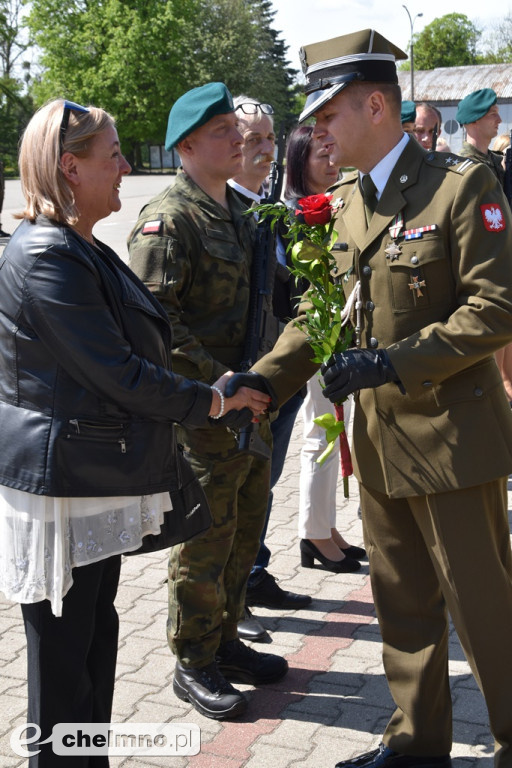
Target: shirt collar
[[244, 191], [382, 171]]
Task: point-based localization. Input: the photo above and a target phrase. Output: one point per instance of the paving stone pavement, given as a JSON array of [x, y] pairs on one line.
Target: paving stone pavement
[[334, 702]]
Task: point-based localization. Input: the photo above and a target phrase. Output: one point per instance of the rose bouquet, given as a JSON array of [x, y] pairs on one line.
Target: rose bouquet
[[311, 235]]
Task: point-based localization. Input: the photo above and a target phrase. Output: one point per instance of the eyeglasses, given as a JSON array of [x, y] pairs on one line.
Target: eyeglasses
[[69, 106], [248, 108]]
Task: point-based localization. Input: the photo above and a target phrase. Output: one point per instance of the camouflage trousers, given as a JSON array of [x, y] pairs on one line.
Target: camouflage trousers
[[208, 575]]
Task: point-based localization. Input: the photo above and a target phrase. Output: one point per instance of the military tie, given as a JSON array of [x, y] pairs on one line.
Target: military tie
[[368, 189]]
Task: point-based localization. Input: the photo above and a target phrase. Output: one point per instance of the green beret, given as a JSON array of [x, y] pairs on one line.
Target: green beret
[[475, 105], [408, 112], [194, 109]]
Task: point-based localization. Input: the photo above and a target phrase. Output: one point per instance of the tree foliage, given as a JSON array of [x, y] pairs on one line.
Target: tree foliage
[[136, 57], [15, 104], [497, 43], [450, 41]]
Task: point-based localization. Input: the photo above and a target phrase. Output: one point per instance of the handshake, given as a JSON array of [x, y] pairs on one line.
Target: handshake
[[249, 401]]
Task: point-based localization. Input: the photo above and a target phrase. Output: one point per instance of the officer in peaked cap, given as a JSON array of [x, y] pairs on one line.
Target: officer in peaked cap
[[427, 238], [479, 113], [331, 66]]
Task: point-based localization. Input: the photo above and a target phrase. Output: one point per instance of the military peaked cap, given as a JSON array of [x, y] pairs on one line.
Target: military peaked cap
[[331, 65], [194, 109], [408, 112], [475, 105]]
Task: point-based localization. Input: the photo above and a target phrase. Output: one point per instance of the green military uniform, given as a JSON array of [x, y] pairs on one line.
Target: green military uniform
[[196, 256], [436, 289], [491, 159]]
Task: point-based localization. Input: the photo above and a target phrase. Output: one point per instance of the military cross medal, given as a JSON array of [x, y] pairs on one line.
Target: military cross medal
[[393, 251], [417, 285]]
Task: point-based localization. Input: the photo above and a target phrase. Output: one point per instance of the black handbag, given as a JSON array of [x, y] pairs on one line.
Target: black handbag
[[190, 514]]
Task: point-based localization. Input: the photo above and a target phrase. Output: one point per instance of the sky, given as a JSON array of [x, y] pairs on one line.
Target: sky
[[309, 21]]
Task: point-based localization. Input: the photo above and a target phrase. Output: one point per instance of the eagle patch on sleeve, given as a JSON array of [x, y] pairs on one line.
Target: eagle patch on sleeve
[[492, 215], [152, 227]]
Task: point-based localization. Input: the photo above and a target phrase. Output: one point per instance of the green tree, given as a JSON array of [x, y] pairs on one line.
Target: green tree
[[450, 41], [136, 57], [497, 43], [119, 55], [15, 104]]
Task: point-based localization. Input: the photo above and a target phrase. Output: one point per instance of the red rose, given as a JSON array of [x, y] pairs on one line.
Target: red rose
[[316, 209]]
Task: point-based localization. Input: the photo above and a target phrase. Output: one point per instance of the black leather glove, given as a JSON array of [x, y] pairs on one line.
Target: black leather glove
[[235, 419], [252, 380], [356, 369]]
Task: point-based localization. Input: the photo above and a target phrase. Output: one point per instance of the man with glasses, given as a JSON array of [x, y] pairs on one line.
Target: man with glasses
[[255, 123], [192, 245]]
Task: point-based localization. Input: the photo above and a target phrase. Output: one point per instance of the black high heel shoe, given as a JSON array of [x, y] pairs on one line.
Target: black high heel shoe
[[309, 553], [356, 553]]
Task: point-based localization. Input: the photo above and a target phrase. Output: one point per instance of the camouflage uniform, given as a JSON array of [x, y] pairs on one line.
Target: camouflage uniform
[[196, 256], [491, 159]]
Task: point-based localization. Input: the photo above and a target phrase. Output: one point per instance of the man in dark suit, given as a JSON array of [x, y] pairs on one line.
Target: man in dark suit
[[427, 253]]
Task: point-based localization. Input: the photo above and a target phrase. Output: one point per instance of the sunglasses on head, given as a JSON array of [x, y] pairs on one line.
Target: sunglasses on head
[[69, 106], [248, 108]]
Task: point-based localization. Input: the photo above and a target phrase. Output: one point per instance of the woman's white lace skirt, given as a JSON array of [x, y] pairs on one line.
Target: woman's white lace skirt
[[43, 538]]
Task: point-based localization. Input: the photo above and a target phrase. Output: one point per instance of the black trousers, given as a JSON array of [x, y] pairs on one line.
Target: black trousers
[[72, 659]]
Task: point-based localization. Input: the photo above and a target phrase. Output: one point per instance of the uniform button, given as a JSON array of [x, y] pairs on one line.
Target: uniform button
[[370, 306], [367, 271], [426, 383], [478, 392], [415, 260], [374, 342]]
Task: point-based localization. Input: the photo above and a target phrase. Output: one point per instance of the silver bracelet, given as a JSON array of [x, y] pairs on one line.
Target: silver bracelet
[[222, 403]]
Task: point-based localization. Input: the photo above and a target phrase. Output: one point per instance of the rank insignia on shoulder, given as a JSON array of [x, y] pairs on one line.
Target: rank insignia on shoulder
[[152, 227], [462, 168], [493, 218]]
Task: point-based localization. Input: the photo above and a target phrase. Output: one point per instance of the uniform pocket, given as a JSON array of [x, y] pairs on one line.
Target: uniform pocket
[[221, 245], [421, 276]]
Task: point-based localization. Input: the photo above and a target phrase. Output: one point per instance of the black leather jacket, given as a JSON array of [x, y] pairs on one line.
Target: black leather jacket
[[87, 397]]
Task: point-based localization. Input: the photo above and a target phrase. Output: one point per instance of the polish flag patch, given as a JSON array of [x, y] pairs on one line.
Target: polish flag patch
[[494, 220], [152, 227]]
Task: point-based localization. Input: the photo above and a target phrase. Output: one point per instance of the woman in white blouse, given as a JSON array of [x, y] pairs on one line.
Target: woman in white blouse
[[87, 406]]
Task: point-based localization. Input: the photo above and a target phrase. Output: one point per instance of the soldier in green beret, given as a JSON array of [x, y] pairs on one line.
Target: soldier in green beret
[[479, 113], [408, 116], [431, 275], [192, 246]]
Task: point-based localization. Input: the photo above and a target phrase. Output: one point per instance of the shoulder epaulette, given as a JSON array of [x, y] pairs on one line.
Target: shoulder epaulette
[[450, 161], [348, 178]]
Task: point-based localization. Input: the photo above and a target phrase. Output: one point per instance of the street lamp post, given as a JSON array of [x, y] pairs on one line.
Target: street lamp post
[[411, 22]]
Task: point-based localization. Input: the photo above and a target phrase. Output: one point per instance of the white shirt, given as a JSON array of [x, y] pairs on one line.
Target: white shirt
[[382, 171]]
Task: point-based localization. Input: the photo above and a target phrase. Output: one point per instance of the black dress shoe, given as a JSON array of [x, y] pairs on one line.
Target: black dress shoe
[[309, 553], [356, 553], [251, 629], [237, 661], [208, 691], [384, 757], [268, 594]]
